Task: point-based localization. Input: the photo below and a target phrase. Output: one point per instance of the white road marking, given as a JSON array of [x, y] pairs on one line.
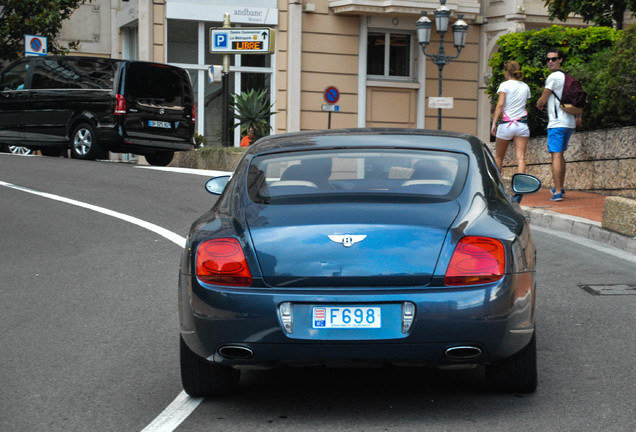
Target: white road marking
[[175, 238], [201, 172], [183, 405], [174, 414]]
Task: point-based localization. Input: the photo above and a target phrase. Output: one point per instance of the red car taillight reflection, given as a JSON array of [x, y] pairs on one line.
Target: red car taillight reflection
[[120, 104]]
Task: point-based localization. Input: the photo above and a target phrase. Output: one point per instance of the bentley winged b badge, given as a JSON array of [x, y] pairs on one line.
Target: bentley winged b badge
[[347, 240]]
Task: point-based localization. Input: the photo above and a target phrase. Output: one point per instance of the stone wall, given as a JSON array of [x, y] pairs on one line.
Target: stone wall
[[212, 158], [597, 161]]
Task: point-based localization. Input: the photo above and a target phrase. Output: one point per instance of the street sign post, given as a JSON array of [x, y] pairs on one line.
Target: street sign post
[[331, 95], [242, 41]]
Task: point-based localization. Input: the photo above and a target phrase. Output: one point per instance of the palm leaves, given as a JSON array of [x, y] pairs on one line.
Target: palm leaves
[[252, 109]]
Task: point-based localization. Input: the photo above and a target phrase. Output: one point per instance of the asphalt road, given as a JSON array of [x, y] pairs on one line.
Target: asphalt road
[[90, 328]]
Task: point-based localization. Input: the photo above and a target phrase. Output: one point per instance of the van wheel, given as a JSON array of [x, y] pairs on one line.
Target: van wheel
[[160, 158], [84, 143], [20, 150], [200, 378], [517, 374]]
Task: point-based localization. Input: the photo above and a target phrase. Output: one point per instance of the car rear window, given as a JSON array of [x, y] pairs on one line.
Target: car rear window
[[356, 173], [156, 85]]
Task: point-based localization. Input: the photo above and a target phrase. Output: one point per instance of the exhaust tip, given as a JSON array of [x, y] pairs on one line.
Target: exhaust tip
[[463, 352], [236, 352]]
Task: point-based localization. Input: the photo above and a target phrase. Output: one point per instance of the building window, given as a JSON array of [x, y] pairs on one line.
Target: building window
[[389, 55]]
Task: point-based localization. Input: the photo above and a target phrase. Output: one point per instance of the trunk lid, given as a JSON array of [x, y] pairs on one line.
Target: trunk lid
[[370, 245]]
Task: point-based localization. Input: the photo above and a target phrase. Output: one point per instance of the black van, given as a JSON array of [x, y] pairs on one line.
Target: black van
[[95, 105]]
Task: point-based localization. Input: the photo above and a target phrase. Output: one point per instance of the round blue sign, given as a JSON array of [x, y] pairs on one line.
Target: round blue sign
[[331, 95], [36, 44]]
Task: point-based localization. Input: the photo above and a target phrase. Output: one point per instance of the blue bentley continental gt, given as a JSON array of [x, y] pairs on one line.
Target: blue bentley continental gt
[[381, 246]]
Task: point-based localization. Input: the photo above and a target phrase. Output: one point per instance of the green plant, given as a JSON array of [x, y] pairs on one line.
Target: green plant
[[199, 140], [529, 49], [610, 81], [252, 109]]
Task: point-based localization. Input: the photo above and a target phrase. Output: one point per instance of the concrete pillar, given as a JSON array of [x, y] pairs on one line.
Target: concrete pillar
[[294, 47]]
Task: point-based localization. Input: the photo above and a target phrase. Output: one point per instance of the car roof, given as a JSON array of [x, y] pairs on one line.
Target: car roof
[[367, 138]]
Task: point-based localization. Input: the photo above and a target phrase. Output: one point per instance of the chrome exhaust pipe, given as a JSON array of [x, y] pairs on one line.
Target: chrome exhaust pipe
[[463, 352], [236, 352]]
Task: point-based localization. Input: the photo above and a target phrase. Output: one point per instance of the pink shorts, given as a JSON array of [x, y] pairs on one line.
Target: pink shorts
[[509, 130]]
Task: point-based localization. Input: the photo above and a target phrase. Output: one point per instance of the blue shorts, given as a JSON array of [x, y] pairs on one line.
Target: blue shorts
[[558, 139]]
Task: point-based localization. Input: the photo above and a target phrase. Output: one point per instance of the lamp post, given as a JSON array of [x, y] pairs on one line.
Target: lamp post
[[424, 27]]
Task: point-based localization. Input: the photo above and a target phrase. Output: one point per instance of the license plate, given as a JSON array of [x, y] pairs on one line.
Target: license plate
[[346, 317], [159, 124]]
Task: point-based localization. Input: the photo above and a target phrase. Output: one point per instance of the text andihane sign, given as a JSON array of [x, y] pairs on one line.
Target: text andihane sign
[[242, 41]]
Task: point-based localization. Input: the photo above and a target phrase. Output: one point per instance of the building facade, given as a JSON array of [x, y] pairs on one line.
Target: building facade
[[367, 49]]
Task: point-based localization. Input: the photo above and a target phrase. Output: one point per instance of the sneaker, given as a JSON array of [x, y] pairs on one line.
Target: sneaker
[[554, 192], [557, 197]]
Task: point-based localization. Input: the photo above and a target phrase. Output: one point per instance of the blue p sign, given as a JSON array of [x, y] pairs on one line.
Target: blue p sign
[[220, 40]]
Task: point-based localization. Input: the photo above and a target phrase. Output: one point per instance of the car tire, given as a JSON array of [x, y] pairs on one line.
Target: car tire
[[200, 378], [160, 158], [517, 374], [84, 143]]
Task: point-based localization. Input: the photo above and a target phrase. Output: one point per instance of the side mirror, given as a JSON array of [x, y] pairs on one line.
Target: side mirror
[[216, 184], [524, 184]]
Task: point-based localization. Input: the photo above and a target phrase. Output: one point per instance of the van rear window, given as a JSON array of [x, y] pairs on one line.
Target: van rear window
[[155, 85]]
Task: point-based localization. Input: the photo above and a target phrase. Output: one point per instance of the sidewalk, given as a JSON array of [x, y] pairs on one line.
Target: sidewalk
[[580, 214]]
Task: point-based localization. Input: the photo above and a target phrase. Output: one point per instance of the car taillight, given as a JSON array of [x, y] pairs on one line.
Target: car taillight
[[222, 261], [476, 260], [120, 104], [194, 112]]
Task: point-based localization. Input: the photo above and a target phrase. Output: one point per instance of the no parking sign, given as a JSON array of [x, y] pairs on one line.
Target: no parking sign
[[34, 45]]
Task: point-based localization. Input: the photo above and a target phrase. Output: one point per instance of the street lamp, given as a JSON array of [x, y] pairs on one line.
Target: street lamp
[[460, 29]]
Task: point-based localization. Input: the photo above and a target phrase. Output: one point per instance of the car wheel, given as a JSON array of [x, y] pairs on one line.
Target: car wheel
[[160, 158], [517, 374], [84, 143], [20, 150], [201, 378]]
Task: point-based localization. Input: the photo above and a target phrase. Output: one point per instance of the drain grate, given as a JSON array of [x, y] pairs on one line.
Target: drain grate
[[610, 289]]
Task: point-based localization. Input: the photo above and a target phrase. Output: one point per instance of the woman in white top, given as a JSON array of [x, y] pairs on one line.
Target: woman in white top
[[513, 97]]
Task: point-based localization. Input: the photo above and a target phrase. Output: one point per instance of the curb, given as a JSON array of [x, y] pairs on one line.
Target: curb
[[580, 227]]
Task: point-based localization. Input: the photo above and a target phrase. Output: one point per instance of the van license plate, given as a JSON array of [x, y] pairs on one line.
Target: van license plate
[[346, 317], [159, 124]]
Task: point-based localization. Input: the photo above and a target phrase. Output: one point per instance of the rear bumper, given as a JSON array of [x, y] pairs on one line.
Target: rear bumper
[[497, 319], [117, 141]]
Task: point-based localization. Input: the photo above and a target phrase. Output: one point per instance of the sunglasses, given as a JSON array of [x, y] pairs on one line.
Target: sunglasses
[[552, 59]]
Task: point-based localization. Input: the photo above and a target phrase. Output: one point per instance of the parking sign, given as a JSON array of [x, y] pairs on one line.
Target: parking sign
[[242, 40], [35, 45], [220, 40]]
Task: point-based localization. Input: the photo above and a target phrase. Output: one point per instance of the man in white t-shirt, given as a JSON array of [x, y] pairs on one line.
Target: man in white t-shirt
[[560, 124]]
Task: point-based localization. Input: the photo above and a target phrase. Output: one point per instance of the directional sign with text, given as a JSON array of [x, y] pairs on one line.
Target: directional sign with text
[[242, 41]]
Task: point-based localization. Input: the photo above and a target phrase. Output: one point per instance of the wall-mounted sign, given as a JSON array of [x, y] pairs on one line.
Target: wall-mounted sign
[[242, 41]]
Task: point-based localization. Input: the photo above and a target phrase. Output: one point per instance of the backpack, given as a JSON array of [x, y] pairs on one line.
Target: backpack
[[573, 98]]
